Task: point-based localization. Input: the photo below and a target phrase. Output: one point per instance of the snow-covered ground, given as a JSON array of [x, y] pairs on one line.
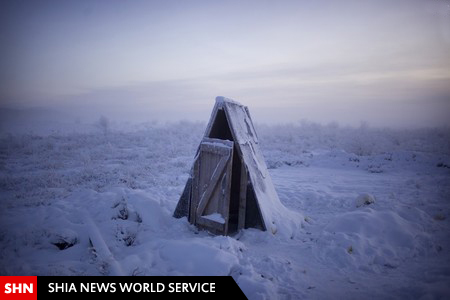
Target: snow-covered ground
[[122, 183]]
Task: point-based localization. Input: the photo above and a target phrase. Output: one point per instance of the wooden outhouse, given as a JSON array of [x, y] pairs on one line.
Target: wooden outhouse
[[229, 187]]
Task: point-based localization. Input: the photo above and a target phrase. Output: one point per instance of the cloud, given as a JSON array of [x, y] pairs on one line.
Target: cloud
[[399, 96]]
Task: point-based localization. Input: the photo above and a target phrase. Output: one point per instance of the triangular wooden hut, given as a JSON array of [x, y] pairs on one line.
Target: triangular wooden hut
[[229, 187]]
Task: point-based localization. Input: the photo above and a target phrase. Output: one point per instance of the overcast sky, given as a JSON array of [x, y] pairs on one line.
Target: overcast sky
[[384, 62]]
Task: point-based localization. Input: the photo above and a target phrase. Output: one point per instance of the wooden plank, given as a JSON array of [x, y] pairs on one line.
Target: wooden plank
[[182, 209], [216, 146], [210, 224], [205, 197], [208, 140], [222, 151], [101, 248], [227, 189], [242, 196], [195, 192]]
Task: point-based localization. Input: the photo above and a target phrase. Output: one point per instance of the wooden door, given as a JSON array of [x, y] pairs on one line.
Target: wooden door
[[211, 184]]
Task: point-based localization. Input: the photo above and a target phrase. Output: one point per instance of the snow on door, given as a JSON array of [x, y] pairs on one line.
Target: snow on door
[[211, 185]]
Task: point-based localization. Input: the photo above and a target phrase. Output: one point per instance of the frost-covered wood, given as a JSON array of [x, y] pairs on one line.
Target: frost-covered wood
[[101, 248], [241, 190], [211, 181], [242, 197]]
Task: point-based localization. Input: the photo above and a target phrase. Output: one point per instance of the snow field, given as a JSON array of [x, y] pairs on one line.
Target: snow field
[[127, 181]]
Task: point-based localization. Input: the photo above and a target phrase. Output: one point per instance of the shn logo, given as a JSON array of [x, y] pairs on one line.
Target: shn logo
[[18, 287], [21, 288]]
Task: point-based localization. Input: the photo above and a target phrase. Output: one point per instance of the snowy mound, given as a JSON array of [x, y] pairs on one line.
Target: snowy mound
[[374, 239], [364, 199]]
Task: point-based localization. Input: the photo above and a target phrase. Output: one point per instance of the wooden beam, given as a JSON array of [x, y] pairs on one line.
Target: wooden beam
[[242, 196], [195, 191], [210, 224], [101, 248], [227, 196], [215, 149]]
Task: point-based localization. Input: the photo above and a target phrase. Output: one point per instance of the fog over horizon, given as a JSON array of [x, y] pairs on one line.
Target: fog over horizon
[[386, 63]]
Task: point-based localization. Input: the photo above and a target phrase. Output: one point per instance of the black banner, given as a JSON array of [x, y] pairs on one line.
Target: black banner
[[154, 287]]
